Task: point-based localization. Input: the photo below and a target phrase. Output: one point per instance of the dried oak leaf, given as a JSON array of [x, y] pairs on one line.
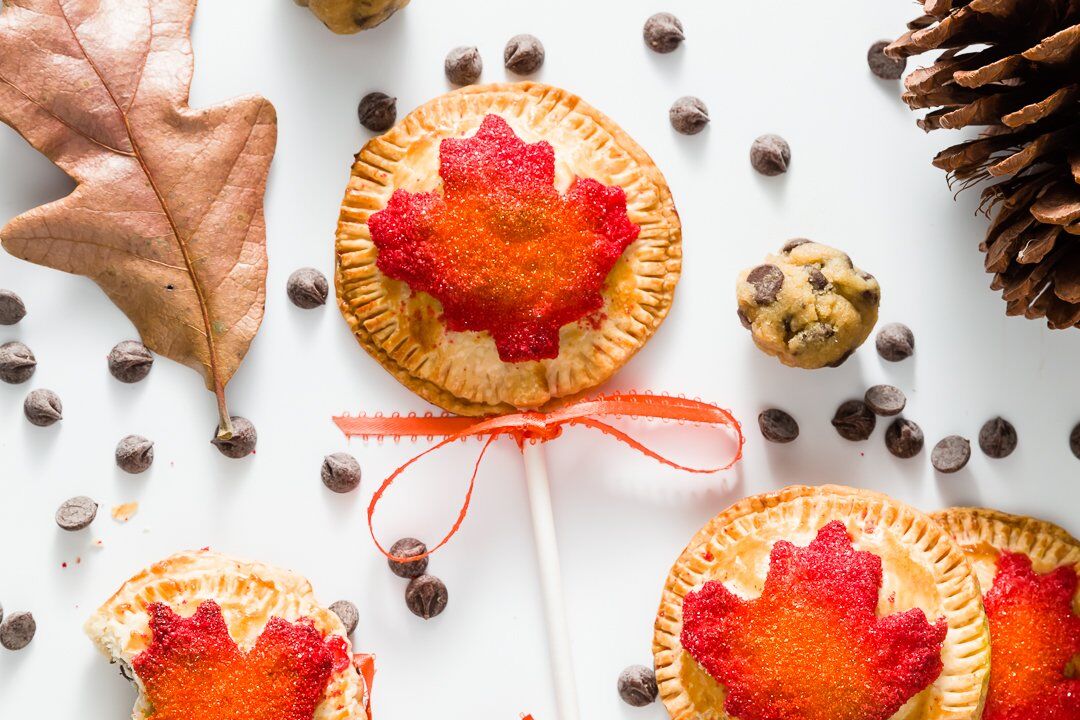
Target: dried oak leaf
[[1034, 637], [811, 646], [500, 247], [167, 214], [193, 669]]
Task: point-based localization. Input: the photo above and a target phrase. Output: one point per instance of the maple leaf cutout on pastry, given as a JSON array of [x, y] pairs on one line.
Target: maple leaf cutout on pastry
[[194, 670], [500, 248], [1035, 639], [812, 647], [167, 215]]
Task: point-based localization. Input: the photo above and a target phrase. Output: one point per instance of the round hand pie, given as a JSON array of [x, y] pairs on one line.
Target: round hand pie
[[822, 604], [1028, 572], [206, 637], [505, 247]]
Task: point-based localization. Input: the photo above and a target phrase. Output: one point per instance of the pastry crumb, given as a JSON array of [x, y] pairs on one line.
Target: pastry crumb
[[125, 511]]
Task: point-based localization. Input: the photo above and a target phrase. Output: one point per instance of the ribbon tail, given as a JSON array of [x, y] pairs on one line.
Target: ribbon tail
[[640, 447]]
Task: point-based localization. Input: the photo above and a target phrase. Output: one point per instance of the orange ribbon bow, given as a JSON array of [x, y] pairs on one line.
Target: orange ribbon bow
[[534, 427]]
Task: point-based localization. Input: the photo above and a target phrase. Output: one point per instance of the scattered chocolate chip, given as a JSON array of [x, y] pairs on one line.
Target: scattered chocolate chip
[[349, 615], [663, 32], [463, 65], [885, 400], [997, 438], [341, 472], [407, 548], [637, 686], [767, 281], [903, 438], [794, 243], [882, 65], [1, 613], [130, 361], [134, 454], [12, 309], [76, 513], [817, 279], [523, 54], [17, 631], [307, 288], [1074, 441], [895, 342], [17, 363], [854, 420], [43, 407], [951, 454], [426, 596], [377, 112], [688, 115], [777, 426], [243, 440], [770, 155]]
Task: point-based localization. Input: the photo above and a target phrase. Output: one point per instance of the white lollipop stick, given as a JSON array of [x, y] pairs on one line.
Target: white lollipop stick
[[547, 555]]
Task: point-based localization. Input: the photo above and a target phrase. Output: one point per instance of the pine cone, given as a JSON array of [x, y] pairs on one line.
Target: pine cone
[[1012, 66]]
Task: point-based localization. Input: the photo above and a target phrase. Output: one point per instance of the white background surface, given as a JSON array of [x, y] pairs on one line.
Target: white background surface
[[860, 179]]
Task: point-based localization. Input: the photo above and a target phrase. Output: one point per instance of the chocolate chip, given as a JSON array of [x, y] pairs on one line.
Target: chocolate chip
[[767, 281], [854, 420], [407, 548], [895, 342], [817, 279], [307, 288], [688, 115], [663, 32], [12, 309], [818, 332], [997, 438], [349, 615], [951, 454], [523, 54], [43, 407], [637, 686], [130, 361], [794, 243], [777, 426], [17, 631], [770, 155], [426, 596], [377, 112], [885, 400], [463, 65], [903, 438], [882, 65], [842, 359], [17, 363], [76, 513], [134, 454], [1074, 441], [341, 472], [243, 440], [744, 320]]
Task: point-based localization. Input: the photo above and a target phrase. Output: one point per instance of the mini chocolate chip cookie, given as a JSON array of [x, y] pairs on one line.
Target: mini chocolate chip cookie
[[808, 305]]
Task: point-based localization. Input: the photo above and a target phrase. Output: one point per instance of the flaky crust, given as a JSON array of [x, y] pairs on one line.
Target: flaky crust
[[984, 533], [249, 593], [461, 371], [923, 568]]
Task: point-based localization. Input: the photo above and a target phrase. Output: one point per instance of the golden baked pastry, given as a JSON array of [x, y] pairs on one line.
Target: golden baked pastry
[[825, 603], [205, 637], [350, 16], [1028, 570], [505, 247]]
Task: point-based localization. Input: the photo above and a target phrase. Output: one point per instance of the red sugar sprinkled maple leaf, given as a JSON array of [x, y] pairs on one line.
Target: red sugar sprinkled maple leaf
[[500, 248], [1034, 635], [812, 647], [193, 669]]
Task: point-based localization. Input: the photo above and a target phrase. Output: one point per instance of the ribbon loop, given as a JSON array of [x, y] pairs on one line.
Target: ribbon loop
[[536, 427]]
